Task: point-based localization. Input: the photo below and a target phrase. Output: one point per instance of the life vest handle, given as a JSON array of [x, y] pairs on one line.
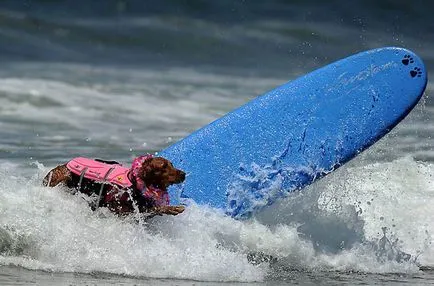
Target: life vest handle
[[81, 178], [103, 184]]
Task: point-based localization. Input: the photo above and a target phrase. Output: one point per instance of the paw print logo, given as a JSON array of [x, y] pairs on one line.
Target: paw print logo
[[407, 60], [416, 72]]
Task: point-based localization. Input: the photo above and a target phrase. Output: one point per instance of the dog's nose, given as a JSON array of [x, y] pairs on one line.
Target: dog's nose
[[181, 175]]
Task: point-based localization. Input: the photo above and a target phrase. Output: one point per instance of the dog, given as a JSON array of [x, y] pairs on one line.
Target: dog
[[142, 188]]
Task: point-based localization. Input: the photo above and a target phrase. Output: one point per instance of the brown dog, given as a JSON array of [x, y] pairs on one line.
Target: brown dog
[[149, 178]]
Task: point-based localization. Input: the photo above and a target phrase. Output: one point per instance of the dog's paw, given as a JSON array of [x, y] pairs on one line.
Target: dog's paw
[[174, 210], [169, 210]]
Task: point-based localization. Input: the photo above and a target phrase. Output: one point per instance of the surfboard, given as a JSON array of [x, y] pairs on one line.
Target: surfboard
[[297, 133]]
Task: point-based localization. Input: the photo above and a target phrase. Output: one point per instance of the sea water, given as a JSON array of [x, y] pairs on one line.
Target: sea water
[[117, 80]]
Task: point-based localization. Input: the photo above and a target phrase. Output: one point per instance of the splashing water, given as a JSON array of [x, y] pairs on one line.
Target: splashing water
[[335, 224], [255, 186]]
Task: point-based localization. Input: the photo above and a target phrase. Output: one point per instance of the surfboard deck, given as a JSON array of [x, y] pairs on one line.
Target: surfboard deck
[[295, 134]]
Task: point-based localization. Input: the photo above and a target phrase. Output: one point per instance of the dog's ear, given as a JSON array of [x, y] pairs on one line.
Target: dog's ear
[[146, 168]]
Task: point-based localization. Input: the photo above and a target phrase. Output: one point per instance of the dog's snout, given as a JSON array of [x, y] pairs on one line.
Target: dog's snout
[[181, 175]]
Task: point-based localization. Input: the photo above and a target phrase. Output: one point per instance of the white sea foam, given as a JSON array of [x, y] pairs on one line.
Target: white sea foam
[[334, 225], [52, 230]]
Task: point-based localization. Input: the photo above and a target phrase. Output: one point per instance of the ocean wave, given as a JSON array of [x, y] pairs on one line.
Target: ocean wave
[[353, 220]]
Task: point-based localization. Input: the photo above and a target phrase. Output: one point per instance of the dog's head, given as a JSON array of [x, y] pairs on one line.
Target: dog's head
[[160, 172]]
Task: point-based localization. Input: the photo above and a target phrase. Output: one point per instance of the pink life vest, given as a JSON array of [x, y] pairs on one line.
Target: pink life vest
[[117, 174], [100, 172]]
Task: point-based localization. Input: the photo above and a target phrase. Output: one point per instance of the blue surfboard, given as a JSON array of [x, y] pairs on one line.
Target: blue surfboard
[[295, 134]]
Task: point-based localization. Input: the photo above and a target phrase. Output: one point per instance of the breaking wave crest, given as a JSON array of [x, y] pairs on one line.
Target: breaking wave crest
[[356, 219]]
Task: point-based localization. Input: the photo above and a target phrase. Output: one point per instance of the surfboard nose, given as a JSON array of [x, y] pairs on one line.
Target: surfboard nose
[[412, 66]]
